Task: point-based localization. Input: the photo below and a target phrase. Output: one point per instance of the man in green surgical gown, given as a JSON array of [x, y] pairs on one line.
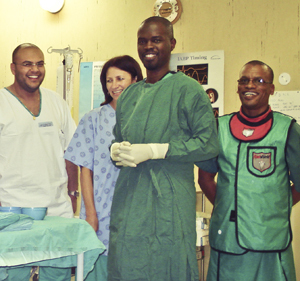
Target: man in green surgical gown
[[165, 124]]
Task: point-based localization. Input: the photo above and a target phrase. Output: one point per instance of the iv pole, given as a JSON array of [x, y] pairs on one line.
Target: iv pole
[[68, 65]]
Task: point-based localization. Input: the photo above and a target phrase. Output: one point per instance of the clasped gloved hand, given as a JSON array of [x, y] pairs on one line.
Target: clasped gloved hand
[[115, 150], [131, 155]]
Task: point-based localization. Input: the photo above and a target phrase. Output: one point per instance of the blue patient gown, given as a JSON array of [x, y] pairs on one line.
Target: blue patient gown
[[89, 148]]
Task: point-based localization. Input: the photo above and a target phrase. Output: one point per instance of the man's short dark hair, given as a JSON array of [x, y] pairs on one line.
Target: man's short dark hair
[[161, 20], [23, 46], [258, 62]]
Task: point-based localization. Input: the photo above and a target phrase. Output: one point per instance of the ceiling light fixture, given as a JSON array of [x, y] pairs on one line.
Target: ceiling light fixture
[[52, 6]]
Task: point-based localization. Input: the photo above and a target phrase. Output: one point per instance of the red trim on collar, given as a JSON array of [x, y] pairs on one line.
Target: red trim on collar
[[255, 119], [249, 132]]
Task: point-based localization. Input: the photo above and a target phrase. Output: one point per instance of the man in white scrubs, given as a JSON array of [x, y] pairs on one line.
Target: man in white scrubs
[[35, 129]]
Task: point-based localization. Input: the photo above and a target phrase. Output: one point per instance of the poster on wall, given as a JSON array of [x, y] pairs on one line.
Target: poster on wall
[[287, 102], [208, 69], [90, 89]]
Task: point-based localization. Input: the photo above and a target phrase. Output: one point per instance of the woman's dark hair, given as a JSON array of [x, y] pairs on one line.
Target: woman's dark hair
[[125, 63]]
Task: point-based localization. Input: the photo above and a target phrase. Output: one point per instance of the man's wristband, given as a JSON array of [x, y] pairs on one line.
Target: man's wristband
[[73, 193]]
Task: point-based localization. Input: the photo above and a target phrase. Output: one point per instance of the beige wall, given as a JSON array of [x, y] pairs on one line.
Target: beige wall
[[245, 30]]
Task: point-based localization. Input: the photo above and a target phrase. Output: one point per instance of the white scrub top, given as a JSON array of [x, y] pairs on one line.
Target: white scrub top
[[32, 167]]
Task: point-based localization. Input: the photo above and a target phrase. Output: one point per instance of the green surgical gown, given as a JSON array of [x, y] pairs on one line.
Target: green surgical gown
[[152, 230]]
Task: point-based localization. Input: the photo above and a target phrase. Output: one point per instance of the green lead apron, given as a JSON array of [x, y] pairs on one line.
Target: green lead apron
[[253, 202], [250, 231]]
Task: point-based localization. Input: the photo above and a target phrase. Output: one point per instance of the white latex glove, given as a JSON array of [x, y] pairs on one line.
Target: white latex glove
[[137, 153], [115, 150], [159, 150]]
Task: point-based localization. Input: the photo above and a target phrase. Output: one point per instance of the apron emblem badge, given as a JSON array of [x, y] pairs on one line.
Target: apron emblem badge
[[248, 132], [261, 161]]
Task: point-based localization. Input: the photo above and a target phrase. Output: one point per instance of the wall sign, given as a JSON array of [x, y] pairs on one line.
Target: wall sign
[[208, 69]]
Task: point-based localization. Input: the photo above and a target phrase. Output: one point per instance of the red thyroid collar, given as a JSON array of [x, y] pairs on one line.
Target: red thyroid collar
[[246, 128]]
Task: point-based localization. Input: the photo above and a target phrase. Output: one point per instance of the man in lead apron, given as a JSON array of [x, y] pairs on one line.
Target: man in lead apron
[[250, 230]]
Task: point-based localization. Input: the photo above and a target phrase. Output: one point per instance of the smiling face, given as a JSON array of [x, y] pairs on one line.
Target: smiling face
[[255, 98], [117, 81], [155, 44], [28, 78]]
